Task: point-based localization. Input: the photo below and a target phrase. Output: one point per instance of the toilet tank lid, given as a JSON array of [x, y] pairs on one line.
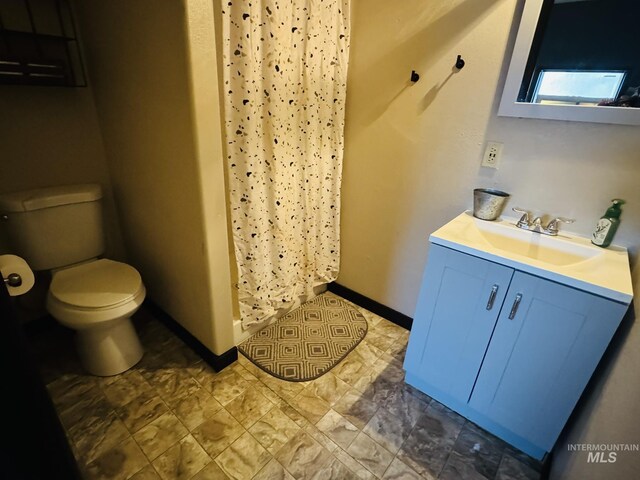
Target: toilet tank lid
[[47, 197]]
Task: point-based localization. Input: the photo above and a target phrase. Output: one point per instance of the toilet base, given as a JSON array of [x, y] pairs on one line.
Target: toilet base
[[109, 350]]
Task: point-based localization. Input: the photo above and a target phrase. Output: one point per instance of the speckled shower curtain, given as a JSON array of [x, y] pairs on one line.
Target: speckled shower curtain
[[285, 76]]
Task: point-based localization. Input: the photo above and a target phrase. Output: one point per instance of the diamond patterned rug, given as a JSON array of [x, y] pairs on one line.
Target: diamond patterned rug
[[308, 341]]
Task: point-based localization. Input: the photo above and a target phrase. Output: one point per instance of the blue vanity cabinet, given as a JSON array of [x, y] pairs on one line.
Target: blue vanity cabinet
[[541, 356], [516, 366], [456, 313]]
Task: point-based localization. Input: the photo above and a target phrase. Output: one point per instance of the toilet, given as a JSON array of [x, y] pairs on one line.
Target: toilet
[[60, 229]]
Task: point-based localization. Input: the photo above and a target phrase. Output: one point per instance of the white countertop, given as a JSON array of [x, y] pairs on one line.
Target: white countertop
[[567, 258]]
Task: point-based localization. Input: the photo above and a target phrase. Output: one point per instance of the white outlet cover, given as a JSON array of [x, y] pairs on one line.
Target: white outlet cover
[[492, 154]]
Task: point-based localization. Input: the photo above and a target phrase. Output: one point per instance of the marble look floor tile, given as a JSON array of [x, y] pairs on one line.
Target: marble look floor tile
[[246, 363], [243, 458], [217, 433], [295, 415], [149, 363], [480, 449], [370, 454], [354, 466], [350, 369], [403, 404], [91, 403], [273, 471], [388, 329], [118, 463], [201, 371], [182, 461], [273, 430], [334, 469], [94, 435], [226, 386], [125, 388], [321, 438], [159, 435], [390, 369], [524, 458], [196, 408], [285, 390], [180, 356], [371, 318], [147, 473], [329, 388], [68, 389], [459, 468], [312, 407], [338, 428], [249, 376], [196, 368], [161, 341], [356, 408], [171, 369], [368, 353], [381, 342], [398, 350], [270, 394], [432, 439], [211, 472], [416, 393], [512, 469], [388, 359], [172, 384], [249, 407], [368, 376], [302, 456], [142, 410], [401, 471], [378, 390], [389, 430]]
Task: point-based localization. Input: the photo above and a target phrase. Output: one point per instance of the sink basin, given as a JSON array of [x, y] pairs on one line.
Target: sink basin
[[567, 257], [558, 250]]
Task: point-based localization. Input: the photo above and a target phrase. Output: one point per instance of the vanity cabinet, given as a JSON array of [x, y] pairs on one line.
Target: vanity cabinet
[[509, 350]]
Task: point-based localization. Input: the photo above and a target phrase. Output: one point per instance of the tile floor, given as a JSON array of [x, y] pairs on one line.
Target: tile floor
[[173, 417]]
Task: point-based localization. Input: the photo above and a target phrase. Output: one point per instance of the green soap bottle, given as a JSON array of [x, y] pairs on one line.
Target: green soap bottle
[[607, 225]]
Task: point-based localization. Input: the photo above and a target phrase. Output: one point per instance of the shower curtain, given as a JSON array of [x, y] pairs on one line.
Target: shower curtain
[[285, 75]]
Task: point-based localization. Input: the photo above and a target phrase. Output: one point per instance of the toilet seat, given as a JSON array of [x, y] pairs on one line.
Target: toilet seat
[[99, 284], [92, 293]]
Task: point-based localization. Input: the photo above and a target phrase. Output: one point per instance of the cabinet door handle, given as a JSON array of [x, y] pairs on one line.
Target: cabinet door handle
[[492, 297], [514, 307]]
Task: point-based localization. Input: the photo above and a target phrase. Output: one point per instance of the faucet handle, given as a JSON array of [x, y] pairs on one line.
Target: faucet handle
[[524, 221], [552, 227]]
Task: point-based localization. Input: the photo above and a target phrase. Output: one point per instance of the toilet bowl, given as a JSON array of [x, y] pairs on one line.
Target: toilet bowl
[[97, 299], [61, 229]]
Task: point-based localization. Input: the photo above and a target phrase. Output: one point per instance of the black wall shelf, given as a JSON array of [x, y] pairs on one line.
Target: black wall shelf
[[39, 44]]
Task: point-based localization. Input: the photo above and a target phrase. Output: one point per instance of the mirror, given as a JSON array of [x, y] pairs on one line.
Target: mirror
[[576, 60]]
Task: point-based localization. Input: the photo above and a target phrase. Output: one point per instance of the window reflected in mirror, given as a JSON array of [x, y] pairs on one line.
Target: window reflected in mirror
[[585, 52]]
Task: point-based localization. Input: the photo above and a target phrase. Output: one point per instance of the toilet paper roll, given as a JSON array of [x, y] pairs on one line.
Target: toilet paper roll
[[10, 264]]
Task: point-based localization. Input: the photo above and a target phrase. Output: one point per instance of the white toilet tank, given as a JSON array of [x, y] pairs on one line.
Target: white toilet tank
[[55, 226]]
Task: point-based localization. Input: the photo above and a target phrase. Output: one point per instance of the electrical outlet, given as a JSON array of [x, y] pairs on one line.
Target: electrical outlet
[[492, 155]]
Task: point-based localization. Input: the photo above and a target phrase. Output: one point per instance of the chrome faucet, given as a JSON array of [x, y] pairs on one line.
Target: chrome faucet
[[536, 225]]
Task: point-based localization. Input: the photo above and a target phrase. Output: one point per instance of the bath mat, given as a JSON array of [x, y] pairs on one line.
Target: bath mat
[[308, 341]]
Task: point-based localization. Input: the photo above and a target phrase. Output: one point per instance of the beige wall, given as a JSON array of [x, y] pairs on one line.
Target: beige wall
[[162, 138], [412, 158]]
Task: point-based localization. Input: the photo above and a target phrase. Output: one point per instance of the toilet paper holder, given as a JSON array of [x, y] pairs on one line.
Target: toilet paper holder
[[13, 280]]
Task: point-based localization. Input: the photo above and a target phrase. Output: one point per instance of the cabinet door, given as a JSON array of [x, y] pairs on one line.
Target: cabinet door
[[454, 321], [541, 356]]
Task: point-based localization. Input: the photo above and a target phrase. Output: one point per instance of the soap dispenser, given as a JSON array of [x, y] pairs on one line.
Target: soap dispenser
[[607, 225]]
